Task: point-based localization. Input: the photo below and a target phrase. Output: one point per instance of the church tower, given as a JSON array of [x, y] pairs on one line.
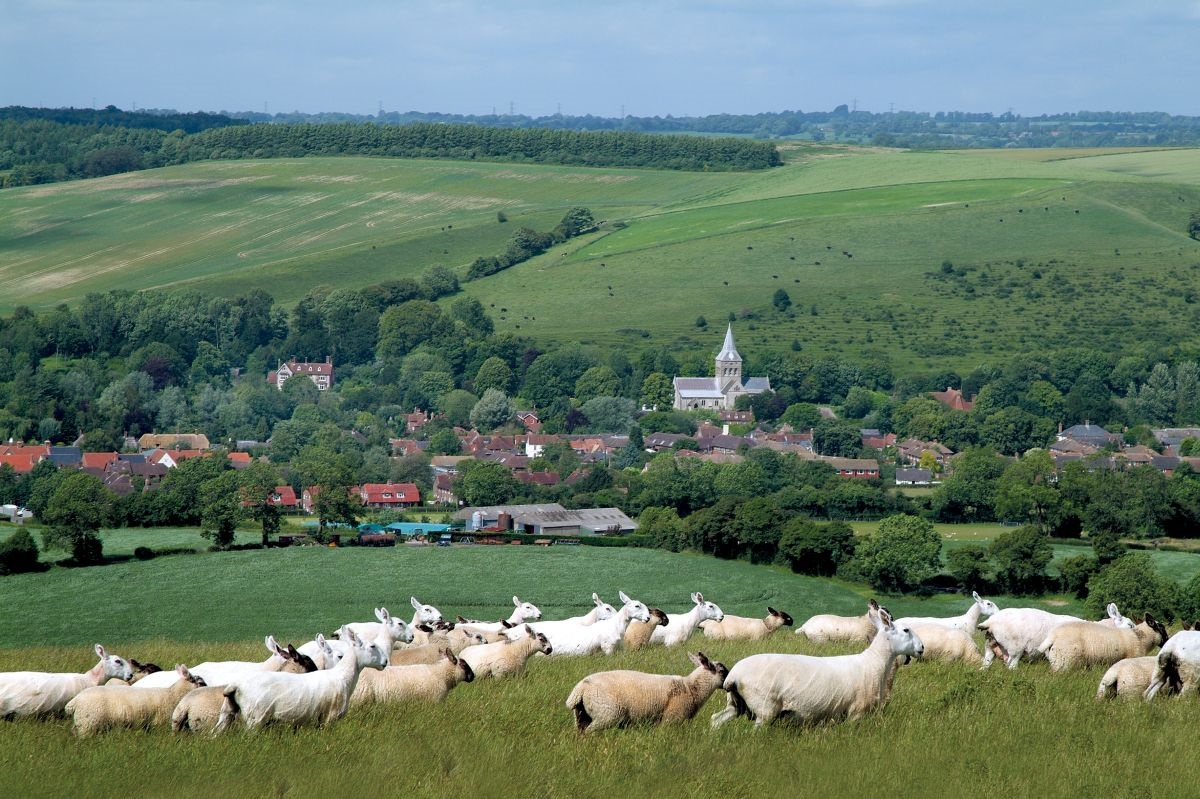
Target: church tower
[[729, 366]]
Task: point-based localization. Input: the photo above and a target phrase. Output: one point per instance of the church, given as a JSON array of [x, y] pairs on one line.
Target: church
[[720, 392]]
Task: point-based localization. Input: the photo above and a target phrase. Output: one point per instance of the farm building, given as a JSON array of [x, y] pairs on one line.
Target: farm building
[[548, 519]]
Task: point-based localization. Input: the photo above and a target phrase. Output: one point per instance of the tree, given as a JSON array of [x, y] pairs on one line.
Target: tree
[[608, 414], [1193, 228], [1021, 557], [903, 552], [493, 373], [1133, 583], [781, 300], [969, 493], [837, 437], [444, 442], [598, 381], [403, 327], [258, 483], [664, 528], [968, 565], [657, 391], [474, 318], [221, 508], [812, 548], [757, 524], [18, 553], [486, 483], [1026, 489], [77, 509]]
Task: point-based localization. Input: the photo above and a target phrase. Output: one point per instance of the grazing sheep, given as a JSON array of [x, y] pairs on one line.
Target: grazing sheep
[[507, 658], [1016, 633], [1177, 664], [741, 628], [220, 672], [603, 635], [41, 693], [612, 698], [103, 707], [813, 689], [1129, 677], [431, 653], [826, 628], [637, 634], [321, 697], [601, 611], [200, 710], [423, 682], [1080, 644], [682, 624], [522, 612], [967, 622], [947, 644]]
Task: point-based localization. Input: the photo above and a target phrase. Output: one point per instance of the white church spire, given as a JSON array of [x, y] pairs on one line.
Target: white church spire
[[729, 351]]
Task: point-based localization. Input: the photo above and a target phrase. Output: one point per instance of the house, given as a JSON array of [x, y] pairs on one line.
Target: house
[[402, 447], [416, 420], [530, 421], [97, 460], [914, 477], [953, 399], [535, 443], [728, 416], [722, 443], [447, 464], [239, 460], [1174, 436], [443, 489], [657, 442], [195, 441], [389, 495], [320, 373], [721, 391], [873, 439], [860, 468], [284, 498], [66, 456], [910, 451], [1089, 434], [537, 478]]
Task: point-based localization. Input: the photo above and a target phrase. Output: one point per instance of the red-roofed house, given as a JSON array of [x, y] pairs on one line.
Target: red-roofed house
[[21, 464], [284, 497], [416, 420], [443, 489], [240, 460], [320, 373], [953, 398], [389, 495], [530, 421], [98, 460]]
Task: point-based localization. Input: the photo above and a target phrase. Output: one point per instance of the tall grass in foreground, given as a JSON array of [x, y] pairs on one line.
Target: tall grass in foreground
[[948, 731]]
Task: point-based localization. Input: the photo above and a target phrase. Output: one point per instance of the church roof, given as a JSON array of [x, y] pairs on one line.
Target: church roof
[[728, 351], [698, 387], [757, 385]]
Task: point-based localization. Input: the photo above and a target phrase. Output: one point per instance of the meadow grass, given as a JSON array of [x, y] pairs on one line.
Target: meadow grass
[[948, 729]]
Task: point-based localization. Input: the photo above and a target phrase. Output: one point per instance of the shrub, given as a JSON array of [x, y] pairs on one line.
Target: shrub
[[1021, 558], [1132, 582], [1075, 572], [811, 548], [143, 553], [968, 565], [902, 553], [19, 553]]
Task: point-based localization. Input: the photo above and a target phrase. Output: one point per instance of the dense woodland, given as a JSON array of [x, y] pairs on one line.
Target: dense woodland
[[46, 145]]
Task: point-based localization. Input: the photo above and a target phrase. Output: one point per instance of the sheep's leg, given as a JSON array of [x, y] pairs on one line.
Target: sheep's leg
[[734, 707], [582, 719]]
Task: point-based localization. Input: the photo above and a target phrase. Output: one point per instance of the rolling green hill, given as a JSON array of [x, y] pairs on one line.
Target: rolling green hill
[[1089, 248]]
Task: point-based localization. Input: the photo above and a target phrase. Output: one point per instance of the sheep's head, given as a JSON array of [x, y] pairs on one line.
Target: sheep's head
[[1157, 626], [708, 610], [784, 618], [986, 606], [427, 614], [113, 667], [603, 609], [543, 643], [301, 660], [702, 662], [195, 679], [367, 655], [526, 610], [902, 640], [396, 627], [140, 670], [659, 617]]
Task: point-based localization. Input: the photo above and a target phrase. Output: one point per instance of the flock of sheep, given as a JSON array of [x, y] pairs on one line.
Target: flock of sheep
[[390, 660]]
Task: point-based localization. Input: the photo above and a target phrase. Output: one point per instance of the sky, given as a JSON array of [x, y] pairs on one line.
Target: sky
[[646, 58]]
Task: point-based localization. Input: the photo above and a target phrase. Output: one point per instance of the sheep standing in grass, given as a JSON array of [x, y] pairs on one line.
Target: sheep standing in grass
[[826, 628], [505, 658], [432, 653], [1177, 665], [967, 622], [1081, 644], [522, 612], [603, 635], [200, 710], [321, 697], [103, 707], [611, 698], [601, 610], [1129, 677], [1014, 634], [947, 644], [637, 634], [140, 670], [40, 693], [742, 628], [220, 672], [814, 689], [388, 626], [424, 682], [682, 624]]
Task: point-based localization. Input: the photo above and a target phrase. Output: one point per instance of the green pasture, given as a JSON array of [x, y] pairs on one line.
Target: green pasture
[[1045, 253], [947, 730]]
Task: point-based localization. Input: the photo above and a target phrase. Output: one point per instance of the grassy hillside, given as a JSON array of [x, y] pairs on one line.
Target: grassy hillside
[[1016, 731], [1088, 248]]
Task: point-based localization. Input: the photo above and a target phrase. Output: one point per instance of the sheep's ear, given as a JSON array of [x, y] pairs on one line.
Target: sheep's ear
[[872, 604], [461, 619], [975, 595], [413, 601], [516, 602], [182, 670], [772, 611], [382, 614], [506, 624], [133, 664], [425, 628], [293, 653], [1112, 611], [528, 630], [697, 597], [697, 659], [624, 599], [321, 639], [885, 618], [596, 599]]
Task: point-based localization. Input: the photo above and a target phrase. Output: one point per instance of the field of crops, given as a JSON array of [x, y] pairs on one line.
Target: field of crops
[[1045, 252], [947, 731]]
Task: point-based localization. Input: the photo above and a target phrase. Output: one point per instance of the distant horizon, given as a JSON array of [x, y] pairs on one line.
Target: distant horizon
[[621, 58]]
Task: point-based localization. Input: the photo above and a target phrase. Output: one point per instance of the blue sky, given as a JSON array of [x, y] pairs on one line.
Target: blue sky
[[653, 58]]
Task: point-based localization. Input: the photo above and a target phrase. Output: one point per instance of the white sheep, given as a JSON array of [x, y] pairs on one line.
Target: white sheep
[[612, 698], [320, 697], [1128, 677], [423, 614], [422, 682], [388, 626], [947, 644], [431, 653], [637, 634], [682, 624], [522, 612], [1015, 633], [41, 693], [220, 672], [103, 707], [813, 689], [505, 658], [742, 628], [200, 710], [1081, 644], [601, 610], [967, 622], [826, 628], [603, 635], [1177, 665], [140, 670]]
